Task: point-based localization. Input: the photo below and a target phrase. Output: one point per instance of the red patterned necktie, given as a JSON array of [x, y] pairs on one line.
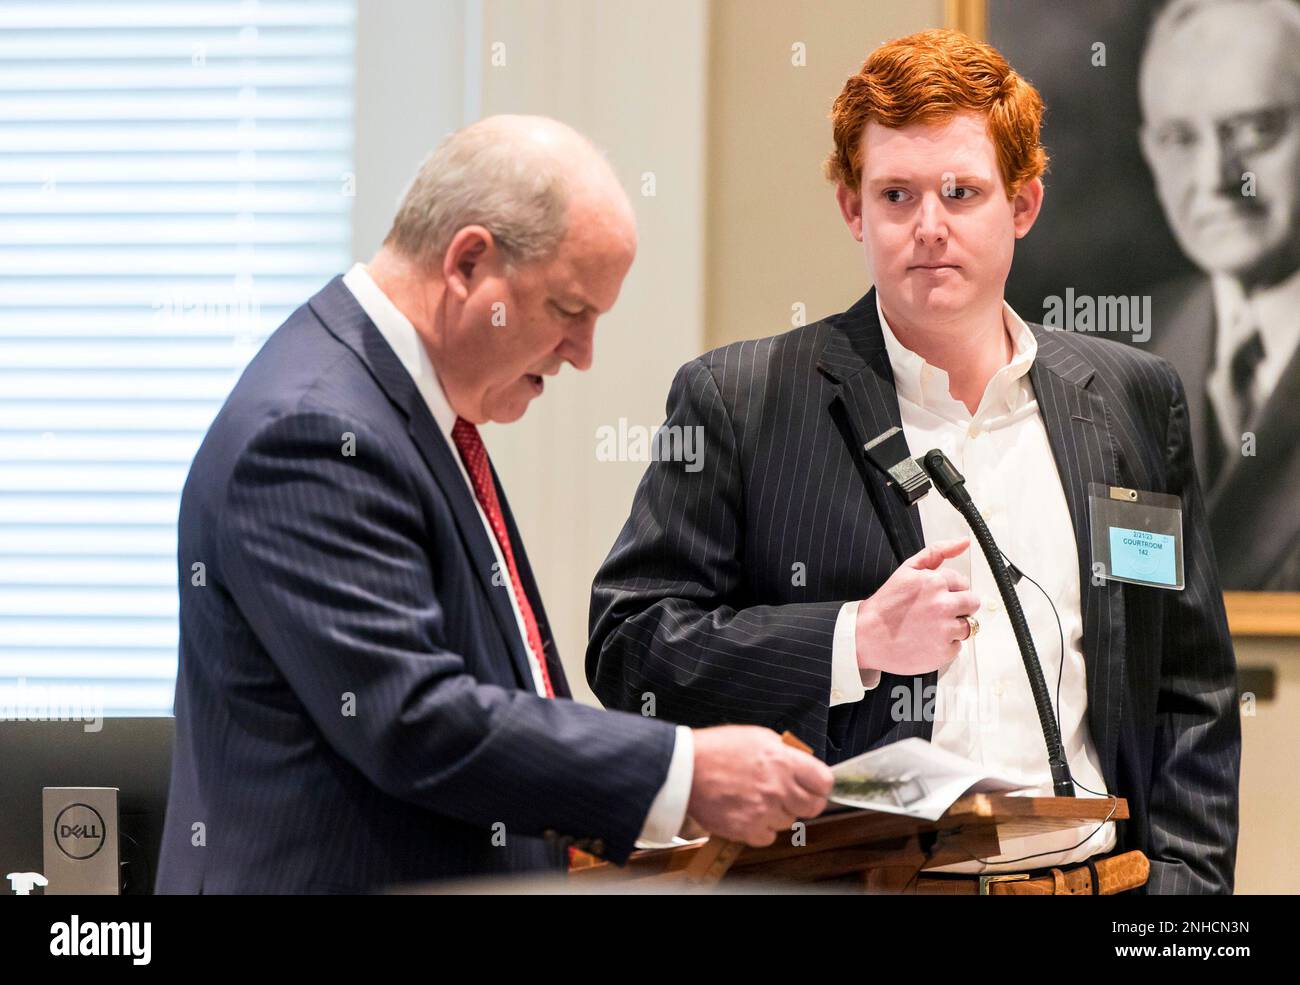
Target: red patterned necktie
[[475, 457]]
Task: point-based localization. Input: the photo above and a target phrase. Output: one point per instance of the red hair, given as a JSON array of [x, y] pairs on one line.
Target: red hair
[[927, 78]]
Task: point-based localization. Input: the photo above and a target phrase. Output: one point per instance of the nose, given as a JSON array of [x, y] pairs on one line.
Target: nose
[[580, 346], [931, 221], [1218, 165]]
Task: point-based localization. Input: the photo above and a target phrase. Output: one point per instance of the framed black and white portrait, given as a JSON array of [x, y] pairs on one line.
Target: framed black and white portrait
[[1172, 222]]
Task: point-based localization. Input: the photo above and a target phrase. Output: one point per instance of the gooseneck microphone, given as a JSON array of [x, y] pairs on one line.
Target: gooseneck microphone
[[908, 479]]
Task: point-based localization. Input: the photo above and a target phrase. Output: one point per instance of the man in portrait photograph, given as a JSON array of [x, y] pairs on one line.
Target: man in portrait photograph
[[1219, 87]]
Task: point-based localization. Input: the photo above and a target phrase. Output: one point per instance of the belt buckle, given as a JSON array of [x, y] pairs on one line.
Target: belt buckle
[[985, 881]]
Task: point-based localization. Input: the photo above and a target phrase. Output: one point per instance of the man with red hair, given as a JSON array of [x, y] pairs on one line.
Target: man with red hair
[[784, 584]]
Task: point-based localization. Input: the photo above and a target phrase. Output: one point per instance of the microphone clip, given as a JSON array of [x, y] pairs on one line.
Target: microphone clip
[[889, 453]]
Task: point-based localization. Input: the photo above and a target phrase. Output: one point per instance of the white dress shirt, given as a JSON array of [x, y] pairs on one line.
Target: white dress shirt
[[668, 810], [984, 709]]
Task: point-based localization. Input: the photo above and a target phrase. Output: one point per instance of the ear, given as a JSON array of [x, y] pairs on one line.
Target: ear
[[1026, 206], [850, 202], [471, 253]]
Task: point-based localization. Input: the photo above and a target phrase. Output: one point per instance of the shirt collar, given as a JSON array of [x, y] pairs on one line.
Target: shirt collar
[[926, 385], [1271, 310], [404, 340]]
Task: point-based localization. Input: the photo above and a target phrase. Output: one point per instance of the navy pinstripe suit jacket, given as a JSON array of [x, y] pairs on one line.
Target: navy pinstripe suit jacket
[[353, 706], [696, 602]]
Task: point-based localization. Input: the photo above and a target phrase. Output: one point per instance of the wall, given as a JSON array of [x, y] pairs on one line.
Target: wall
[[411, 90], [775, 236]]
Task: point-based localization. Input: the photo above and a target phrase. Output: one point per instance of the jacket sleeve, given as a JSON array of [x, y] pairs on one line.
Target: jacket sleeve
[[326, 555], [672, 627], [1197, 742]]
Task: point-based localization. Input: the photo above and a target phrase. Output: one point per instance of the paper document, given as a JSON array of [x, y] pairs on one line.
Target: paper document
[[914, 778]]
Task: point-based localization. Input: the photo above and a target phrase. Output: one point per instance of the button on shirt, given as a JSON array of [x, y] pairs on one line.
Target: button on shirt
[[668, 810], [984, 709]]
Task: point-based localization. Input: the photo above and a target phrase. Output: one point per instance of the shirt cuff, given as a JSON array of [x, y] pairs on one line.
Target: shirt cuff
[[668, 811], [848, 682]]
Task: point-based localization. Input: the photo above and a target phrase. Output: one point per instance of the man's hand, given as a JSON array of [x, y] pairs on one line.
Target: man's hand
[[913, 624], [748, 785]]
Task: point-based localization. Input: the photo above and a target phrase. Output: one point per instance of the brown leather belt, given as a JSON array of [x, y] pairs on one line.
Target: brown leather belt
[[1102, 876]]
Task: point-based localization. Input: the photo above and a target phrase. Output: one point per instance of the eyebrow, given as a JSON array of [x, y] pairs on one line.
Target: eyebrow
[[961, 179], [1192, 118]]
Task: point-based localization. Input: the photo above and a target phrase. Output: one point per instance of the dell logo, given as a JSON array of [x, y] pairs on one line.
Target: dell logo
[[79, 831]]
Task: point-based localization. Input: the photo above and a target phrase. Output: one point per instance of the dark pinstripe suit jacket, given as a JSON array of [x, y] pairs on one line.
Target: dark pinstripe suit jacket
[[354, 707], [697, 604]]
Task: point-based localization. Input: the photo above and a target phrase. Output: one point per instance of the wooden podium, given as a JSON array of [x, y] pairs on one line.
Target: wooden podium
[[849, 845]]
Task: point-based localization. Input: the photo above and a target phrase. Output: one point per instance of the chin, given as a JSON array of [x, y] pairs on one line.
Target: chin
[[1234, 258], [509, 413], [946, 299]]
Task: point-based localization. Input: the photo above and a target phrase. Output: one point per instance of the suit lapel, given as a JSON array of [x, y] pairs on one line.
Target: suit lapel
[[554, 667], [439, 457], [1084, 449], [1184, 334], [344, 318], [864, 404]]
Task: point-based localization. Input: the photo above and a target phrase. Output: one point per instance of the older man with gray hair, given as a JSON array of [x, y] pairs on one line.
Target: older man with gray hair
[[368, 691]]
